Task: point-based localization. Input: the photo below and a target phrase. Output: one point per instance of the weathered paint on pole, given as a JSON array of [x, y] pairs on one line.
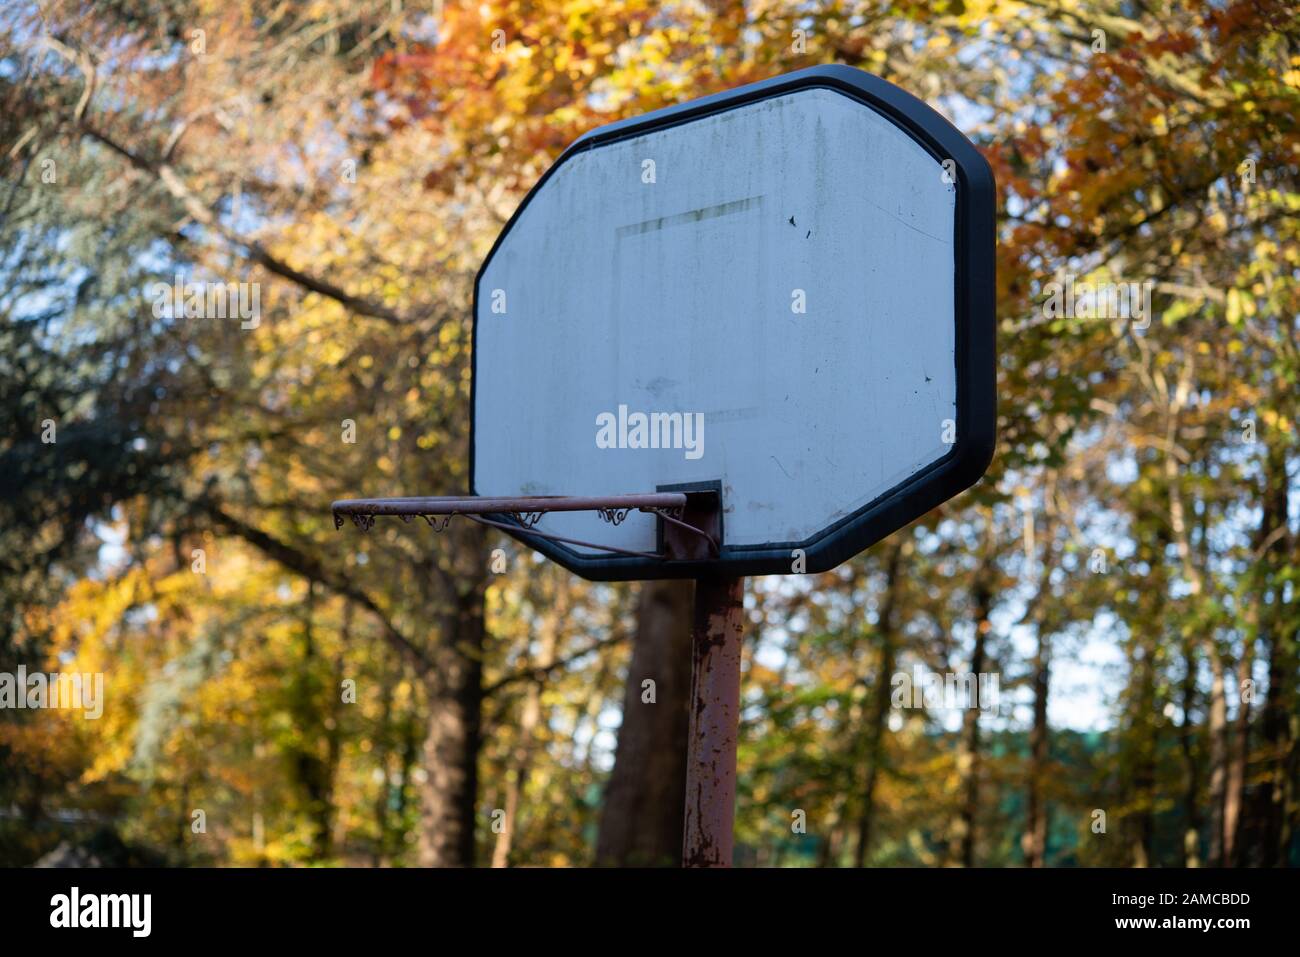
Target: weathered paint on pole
[[715, 717]]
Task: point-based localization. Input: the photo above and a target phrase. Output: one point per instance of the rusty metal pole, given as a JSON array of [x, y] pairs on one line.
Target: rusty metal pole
[[715, 717]]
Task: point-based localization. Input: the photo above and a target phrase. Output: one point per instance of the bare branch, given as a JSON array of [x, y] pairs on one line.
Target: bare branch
[[201, 213], [541, 672], [311, 568]]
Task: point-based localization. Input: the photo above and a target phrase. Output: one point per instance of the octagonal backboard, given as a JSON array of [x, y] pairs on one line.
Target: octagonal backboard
[[784, 292]]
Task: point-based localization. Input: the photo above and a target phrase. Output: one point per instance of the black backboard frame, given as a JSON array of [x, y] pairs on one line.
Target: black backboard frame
[[976, 406]]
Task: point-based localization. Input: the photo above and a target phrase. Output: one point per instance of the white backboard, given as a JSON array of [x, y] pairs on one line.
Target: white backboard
[[773, 285]]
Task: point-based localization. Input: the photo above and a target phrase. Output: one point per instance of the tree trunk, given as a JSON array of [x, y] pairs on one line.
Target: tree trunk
[[1239, 749], [1217, 720], [1192, 784], [829, 852], [529, 718], [968, 757], [1217, 730], [1279, 720], [450, 788], [1144, 731], [316, 722], [1034, 841], [1275, 732], [1279, 733], [381, 759], [644, 802], [887, 627]]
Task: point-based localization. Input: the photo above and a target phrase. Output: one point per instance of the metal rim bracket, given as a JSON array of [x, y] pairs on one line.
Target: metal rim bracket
[[690, 522]]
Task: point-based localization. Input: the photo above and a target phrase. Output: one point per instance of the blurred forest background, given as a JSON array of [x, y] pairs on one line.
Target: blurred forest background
[[1128, 566]]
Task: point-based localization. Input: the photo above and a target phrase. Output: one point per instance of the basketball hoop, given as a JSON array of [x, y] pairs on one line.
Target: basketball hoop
[[679, 538], [806, 267]]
